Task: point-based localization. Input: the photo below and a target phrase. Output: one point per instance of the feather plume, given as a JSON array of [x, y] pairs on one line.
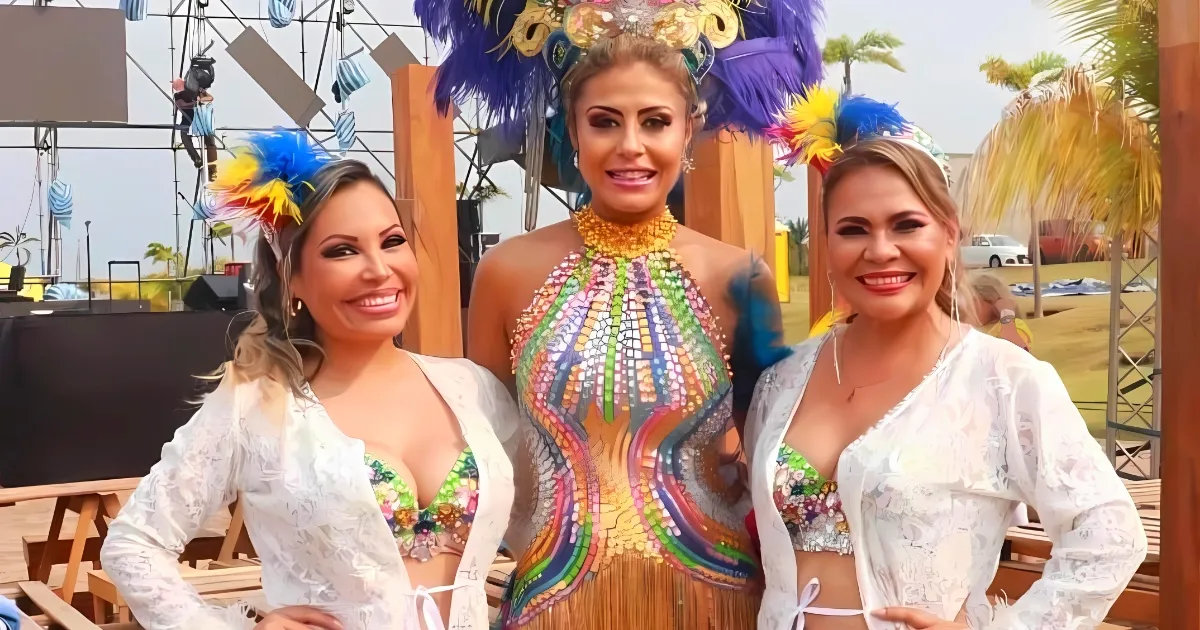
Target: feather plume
[[267, 179], [750, 82], [758, 335], [820, 123]]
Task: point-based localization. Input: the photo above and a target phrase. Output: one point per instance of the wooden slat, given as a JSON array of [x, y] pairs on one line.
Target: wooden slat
[[54, 491], [1138, 603], [26, 623], [59, 611]]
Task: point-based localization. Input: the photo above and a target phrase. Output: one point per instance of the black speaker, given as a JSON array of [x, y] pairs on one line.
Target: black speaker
[[213, 293], [16, 278]]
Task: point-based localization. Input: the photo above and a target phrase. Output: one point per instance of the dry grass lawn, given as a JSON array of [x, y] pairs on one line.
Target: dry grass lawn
[[1073, 336]]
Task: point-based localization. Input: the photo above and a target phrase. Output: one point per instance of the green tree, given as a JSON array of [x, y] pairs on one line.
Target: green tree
[[16, 241], [221, 231], [875, 47], [159, 253], [1042, 69]]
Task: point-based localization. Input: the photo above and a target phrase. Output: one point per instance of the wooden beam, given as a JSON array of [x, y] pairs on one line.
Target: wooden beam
[[424, 143], [820, 294], [1179, 72], [730, 195]]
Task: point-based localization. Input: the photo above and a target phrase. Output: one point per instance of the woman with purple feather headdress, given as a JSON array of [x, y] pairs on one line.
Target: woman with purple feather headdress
[[630, 500]]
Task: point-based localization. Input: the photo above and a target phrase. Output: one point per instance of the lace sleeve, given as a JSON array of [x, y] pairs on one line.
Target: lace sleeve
[[192, 480], [501, 412], [1097, 536], [754, 415]]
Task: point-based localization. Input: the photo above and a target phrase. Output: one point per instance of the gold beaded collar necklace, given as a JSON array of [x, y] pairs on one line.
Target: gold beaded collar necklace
[[625, 241]]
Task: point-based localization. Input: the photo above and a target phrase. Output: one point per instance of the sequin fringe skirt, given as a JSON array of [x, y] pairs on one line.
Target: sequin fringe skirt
[[637, 593]]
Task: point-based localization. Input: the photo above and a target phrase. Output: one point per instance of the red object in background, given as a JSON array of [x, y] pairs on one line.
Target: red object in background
[[233, 269]]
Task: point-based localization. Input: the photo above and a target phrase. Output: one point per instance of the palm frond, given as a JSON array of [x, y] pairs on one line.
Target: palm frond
[[883, 57], [838, 49], [878, 39], [1071, 149], [1123, 38]]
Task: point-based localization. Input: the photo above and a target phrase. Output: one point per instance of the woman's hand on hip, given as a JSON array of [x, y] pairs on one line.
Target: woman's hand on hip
[[917, 619], [298, 618]]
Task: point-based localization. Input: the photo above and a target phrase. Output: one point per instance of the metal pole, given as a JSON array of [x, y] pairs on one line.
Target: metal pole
[[1115, 284], [87, 227]]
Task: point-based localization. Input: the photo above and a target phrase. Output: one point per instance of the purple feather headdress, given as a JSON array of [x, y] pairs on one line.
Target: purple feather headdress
[[748, 57]]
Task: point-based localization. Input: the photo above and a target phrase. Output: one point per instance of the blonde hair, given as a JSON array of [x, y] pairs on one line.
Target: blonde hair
[[629, 49], [927, 180], [990, 289], [279, 339]]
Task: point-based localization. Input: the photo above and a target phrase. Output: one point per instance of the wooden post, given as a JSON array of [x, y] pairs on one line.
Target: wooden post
[[425, 197], [730, 195], [820, 294], [1179, 72]]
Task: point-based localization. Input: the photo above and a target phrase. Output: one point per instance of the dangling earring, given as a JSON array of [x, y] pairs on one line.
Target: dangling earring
[[689, 164], [837, 367], [954, 294], [297, 306], [575, 159]]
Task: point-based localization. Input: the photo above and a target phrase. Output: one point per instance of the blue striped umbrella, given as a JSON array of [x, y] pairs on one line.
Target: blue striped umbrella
[[202, 122], [350, 76], [64, 292], [345, 129], [135, 10], [62, 202], [281, 12], [206, 206]]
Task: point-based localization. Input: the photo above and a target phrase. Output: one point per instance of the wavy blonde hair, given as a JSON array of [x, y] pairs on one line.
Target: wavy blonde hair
[[628, 49]]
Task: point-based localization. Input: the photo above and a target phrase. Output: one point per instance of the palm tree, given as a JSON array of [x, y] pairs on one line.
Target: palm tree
[[482, 192], [222, 230], [16, 240], [1083, 148], [782, 174], [159, 253], [1043, 68], [873, 47]]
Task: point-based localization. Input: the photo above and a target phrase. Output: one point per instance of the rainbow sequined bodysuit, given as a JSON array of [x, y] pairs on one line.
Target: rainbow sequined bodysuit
[[443, 525], [810, 505], [634, 523]]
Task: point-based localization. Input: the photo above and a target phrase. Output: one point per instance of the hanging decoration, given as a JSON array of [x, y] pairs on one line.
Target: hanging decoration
[[135, 10], [62, 202], [206, 206], [350, 78], [345, 129], [56, 292], [281, 12], [202, 122]]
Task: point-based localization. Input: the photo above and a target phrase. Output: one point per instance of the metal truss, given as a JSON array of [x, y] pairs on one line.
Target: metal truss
[[1133, 433], [200, 18]]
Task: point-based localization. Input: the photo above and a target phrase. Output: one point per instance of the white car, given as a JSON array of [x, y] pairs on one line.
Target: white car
[[995, 250]]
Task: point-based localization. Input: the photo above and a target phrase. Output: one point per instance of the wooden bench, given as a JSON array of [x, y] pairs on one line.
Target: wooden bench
[[1138, 603], [206, 546], [216, 585]]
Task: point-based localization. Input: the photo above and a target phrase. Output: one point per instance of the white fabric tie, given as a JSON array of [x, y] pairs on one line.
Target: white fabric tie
[[426, 608], [807, 597]]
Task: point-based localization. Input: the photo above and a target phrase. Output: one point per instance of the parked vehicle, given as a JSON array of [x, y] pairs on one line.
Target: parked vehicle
[[995, 250]]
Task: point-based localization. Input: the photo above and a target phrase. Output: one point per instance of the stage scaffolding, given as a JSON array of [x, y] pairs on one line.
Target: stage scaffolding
[[198, 18], [1133, 421]]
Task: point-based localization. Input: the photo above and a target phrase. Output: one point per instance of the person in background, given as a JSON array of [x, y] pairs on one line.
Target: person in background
[[997, 311]]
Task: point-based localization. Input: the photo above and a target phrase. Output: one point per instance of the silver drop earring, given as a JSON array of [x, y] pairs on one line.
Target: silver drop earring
[[689, 164], [837, 367]]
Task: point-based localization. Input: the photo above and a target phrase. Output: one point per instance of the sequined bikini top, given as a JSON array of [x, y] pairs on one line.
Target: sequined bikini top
[[810, 505], [443, 525]]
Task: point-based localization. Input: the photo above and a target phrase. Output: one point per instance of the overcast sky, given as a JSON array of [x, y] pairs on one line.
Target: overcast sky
[[129, 193]]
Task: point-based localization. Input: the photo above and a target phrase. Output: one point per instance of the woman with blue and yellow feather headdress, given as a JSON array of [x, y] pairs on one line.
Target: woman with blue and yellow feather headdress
[[336, 441], [630, 509], [889, 455]]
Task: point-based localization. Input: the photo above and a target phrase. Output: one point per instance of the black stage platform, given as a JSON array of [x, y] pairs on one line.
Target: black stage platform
[[86, 397]]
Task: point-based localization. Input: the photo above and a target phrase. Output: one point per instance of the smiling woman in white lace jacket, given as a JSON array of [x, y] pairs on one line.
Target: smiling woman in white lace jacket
[[346, 498], [929, 491], [309, 509]]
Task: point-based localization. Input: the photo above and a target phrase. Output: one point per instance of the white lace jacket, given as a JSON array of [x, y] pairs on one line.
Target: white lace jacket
[[929, 492], [309, 509]]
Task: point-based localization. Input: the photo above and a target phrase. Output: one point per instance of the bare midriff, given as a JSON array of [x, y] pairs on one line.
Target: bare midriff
[[839, 589], [439, 570]]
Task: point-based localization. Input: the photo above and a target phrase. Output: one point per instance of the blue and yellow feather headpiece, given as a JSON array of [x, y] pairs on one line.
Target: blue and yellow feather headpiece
[[267, 180], [821, 123]]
